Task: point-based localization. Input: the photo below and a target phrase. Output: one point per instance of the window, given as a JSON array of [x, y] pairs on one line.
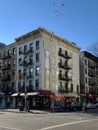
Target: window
[[31, 71], [71, 87], [60, 49], [37, 45], [60, 85], [14, 51], [0, 65], [31, 57], [8, 86], [60, 62], [86, 80], [20, 61], [25, 58], [9, 52], [20, 50], [5, 53], [37, 57], [85, 70], [31, 45], [30, 86], [30, 82], [85, 62], [66, 63], [19, 72], [60, 73], [13, 84], [9, 73], [37, 84], [66, 53], [25, 48], [77, 88], [37, 70], [13, 72], [19, 86], [24, 72], [9, 62], [13, 61], [0, 75], [66, 74], [66, 87]]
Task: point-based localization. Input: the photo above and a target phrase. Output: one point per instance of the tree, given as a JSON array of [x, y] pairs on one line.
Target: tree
[[93, 48]]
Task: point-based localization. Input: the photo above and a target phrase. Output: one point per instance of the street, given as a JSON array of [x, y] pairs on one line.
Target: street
[[49, 121]]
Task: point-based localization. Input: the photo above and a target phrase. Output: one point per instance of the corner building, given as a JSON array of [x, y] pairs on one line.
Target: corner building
[[46, 64], [89, 76]]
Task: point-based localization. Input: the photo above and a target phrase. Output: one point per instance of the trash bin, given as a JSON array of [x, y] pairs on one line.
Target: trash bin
[[21, 108]]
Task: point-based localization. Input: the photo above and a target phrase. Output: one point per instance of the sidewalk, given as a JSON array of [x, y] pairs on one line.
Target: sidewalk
[[30, 111]]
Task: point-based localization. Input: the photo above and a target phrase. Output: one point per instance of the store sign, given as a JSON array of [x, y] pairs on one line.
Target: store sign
[[47, 59]]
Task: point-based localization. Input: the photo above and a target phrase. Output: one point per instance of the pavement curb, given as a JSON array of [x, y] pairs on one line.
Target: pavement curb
[[18, 111]]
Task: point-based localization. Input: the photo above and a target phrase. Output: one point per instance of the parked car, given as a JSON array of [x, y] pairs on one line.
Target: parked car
[[73, 106], [77, 106], [68, 106], [96, 103], [91, 105]]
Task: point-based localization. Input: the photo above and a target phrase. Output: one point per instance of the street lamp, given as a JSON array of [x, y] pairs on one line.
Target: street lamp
[[25, 108]]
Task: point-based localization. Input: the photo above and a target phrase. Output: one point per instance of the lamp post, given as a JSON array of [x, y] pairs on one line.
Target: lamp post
[[25, 108]]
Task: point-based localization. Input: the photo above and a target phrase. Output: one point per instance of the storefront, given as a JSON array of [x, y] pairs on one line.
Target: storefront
[[41, 100], [57, 102], [5, 100], [35, 100]]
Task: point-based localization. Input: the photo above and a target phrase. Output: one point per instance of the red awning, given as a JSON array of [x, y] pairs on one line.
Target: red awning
[[90, 96], [45, 93]]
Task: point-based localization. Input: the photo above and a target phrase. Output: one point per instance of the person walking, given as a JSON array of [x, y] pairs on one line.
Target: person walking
[[85, 108]]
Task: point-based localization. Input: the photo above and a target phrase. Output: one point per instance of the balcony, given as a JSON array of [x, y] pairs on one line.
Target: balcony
[[21, 52], [24, 75], [64, 90], [64, 55], [91, 74], [26, 63], [64, 77], [64, 66], [29, 50], [92, 83], [92, 66], [5, 56], [6, 78], [60, 54], [30, 75], [6, 67]]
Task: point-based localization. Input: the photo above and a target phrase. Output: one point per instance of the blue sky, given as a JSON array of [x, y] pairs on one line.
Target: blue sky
[[73, 20]]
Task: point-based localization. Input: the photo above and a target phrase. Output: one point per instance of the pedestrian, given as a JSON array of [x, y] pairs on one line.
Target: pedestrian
[[85, 108], [52, 107]]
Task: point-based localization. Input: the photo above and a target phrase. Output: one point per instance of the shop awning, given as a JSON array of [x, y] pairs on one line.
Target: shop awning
[[39, 93], [45, 93], [2, 94], [22, 94], [32, 93], [29, 94], [15, 94], [90, 96]]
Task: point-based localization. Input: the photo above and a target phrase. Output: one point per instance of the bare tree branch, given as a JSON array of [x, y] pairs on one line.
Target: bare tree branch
[[93, 48]]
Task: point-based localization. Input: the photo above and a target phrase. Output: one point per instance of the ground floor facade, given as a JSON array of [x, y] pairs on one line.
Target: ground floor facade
[[41, 99]]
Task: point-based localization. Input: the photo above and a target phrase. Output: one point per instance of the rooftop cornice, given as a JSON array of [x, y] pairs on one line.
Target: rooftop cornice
[[40, 31]]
